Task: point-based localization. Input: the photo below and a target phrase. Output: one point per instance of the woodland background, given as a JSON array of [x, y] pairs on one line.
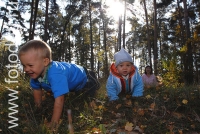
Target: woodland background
[[166, 34], [163, 33]]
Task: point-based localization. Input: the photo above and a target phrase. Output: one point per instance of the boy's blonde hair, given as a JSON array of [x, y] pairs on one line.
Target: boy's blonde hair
[[44, 49]]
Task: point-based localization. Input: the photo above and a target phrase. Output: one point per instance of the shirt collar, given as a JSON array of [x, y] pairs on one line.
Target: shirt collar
[[126, 77], [44, 78]]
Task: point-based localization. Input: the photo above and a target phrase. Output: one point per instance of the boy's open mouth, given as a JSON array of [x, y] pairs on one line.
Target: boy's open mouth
[[30, 74]]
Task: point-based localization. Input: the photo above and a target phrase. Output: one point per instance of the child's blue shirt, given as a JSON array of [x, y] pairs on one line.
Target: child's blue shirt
[[61, 78]]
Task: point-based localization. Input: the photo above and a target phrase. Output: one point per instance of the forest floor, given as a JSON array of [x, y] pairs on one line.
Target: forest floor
[[159, 111]]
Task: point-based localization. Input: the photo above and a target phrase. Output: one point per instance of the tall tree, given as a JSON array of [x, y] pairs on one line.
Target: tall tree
[[34, 16], [91, 37], [182, 39], [155, 39], [124, 24], [119, 33], [148, 33], [46, 21], [188, 65], [31, 20]]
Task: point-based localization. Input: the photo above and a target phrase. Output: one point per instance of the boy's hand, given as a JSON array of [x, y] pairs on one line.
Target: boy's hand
[[52, 126], [37, 110]]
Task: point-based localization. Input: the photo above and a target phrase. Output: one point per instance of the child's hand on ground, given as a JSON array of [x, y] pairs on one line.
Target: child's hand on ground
[[37, 110], [113, 102], [52, 126]]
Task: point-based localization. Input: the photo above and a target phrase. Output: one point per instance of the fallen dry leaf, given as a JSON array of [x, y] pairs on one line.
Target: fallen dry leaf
[[129, 126], [135, 109], [177, 115], [170, 126], [100, 107], [184, 101], [118, 106], [128, 103], [96, 130], [140, 111], [148, 96], [93, 105], [180, 131], [142, 127], [193, 126], [152, 106]]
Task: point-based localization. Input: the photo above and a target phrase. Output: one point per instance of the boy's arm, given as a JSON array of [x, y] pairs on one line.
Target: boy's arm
[[37, 93], [57, 110]]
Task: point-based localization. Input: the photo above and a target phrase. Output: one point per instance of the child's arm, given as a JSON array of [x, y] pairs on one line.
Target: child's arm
[[37, 97], [111, 88], [57, 110], [138, 86]]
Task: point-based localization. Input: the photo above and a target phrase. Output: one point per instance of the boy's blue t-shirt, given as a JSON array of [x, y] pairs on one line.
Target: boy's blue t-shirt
[[61, 78]]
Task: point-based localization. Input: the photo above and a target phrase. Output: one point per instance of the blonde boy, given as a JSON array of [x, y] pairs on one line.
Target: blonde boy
[[58, 77]]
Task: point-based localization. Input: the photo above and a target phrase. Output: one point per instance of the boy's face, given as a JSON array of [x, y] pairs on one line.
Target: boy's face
[[124, 68], [33, 63]]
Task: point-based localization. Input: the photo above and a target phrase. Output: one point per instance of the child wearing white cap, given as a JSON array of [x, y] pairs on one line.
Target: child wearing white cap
[[124, 77]]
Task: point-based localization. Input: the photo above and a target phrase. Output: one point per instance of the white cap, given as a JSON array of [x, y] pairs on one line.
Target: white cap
[[122, 56]]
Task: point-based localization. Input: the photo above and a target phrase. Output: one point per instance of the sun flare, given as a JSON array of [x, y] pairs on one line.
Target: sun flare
[[115, 9]]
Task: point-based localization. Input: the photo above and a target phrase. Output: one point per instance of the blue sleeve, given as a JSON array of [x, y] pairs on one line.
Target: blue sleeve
[[59, 85], [138, 86], [35, 84], [111, 89]]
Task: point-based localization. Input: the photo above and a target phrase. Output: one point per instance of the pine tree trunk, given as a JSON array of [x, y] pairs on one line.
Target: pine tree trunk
[[91, 38], [46, 22], [124, 24], [148, 35], [155, 40], [188, 65]]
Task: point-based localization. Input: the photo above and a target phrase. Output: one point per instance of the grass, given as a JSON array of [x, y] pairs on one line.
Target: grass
[[159, 111]]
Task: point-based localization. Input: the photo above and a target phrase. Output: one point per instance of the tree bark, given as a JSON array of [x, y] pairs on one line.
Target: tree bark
[[46, 21], [91, 38], [155, 39], [105, 49], [182, 40], [124, 24], [188, 66], [119, 33], [148, 35], [31, 36], [31, 21]]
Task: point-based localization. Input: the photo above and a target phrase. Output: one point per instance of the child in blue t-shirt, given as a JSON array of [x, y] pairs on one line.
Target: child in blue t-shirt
[[58, 77]]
